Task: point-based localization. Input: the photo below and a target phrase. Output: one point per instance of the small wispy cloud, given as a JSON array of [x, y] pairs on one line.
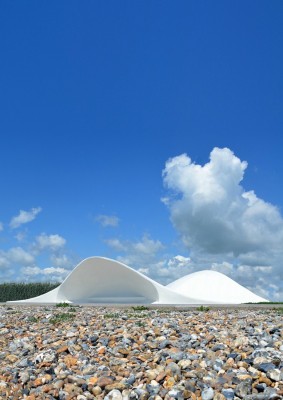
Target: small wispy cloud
[[107, 220], [49, 242], [53, 274], [63, 260], [116, 244], [15, 256], [24, 217], [20, 236], [19, 255], [1, 226], [145, 246]]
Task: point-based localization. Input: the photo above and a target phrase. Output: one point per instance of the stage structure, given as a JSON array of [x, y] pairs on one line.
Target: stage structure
[[99, 280]]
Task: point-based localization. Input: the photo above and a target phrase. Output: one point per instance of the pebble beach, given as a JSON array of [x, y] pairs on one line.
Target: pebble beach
[[49, 352]]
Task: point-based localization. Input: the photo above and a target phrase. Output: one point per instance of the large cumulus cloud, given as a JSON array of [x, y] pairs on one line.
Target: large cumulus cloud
[[212, 211]]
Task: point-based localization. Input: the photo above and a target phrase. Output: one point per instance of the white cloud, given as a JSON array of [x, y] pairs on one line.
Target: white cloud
[[4, 262], [15, 256], [49, 274], [180, 261], [31, 270], [108, 220], [34, 270], [116, 244], [144, 271], [19, 256], [56, 271], [170, 269], [62, 260], [20, 236], [49, 242], [225, 268], [211, 210], [147, 246], [6, 275], [24, 217], [137, 254]]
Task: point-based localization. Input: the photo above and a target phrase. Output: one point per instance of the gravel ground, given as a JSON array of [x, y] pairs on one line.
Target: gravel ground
[[121, 353]]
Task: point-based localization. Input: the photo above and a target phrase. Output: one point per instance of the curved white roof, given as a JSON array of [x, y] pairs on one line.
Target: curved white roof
[[105, 281]]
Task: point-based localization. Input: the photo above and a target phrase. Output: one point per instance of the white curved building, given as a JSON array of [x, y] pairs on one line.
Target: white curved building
[[100, 280], [214, 287]]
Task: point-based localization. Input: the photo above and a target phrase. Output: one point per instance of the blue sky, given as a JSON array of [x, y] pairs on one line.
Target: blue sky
[[97, 96]]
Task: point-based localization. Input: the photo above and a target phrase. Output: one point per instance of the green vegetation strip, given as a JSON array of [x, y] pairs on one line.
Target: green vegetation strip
[[140, 308], [22, 291], [61, 318], [63, 305], [203, 308]]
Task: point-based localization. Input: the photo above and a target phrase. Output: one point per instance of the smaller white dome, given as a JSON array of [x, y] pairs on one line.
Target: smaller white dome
[[213, 287]]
